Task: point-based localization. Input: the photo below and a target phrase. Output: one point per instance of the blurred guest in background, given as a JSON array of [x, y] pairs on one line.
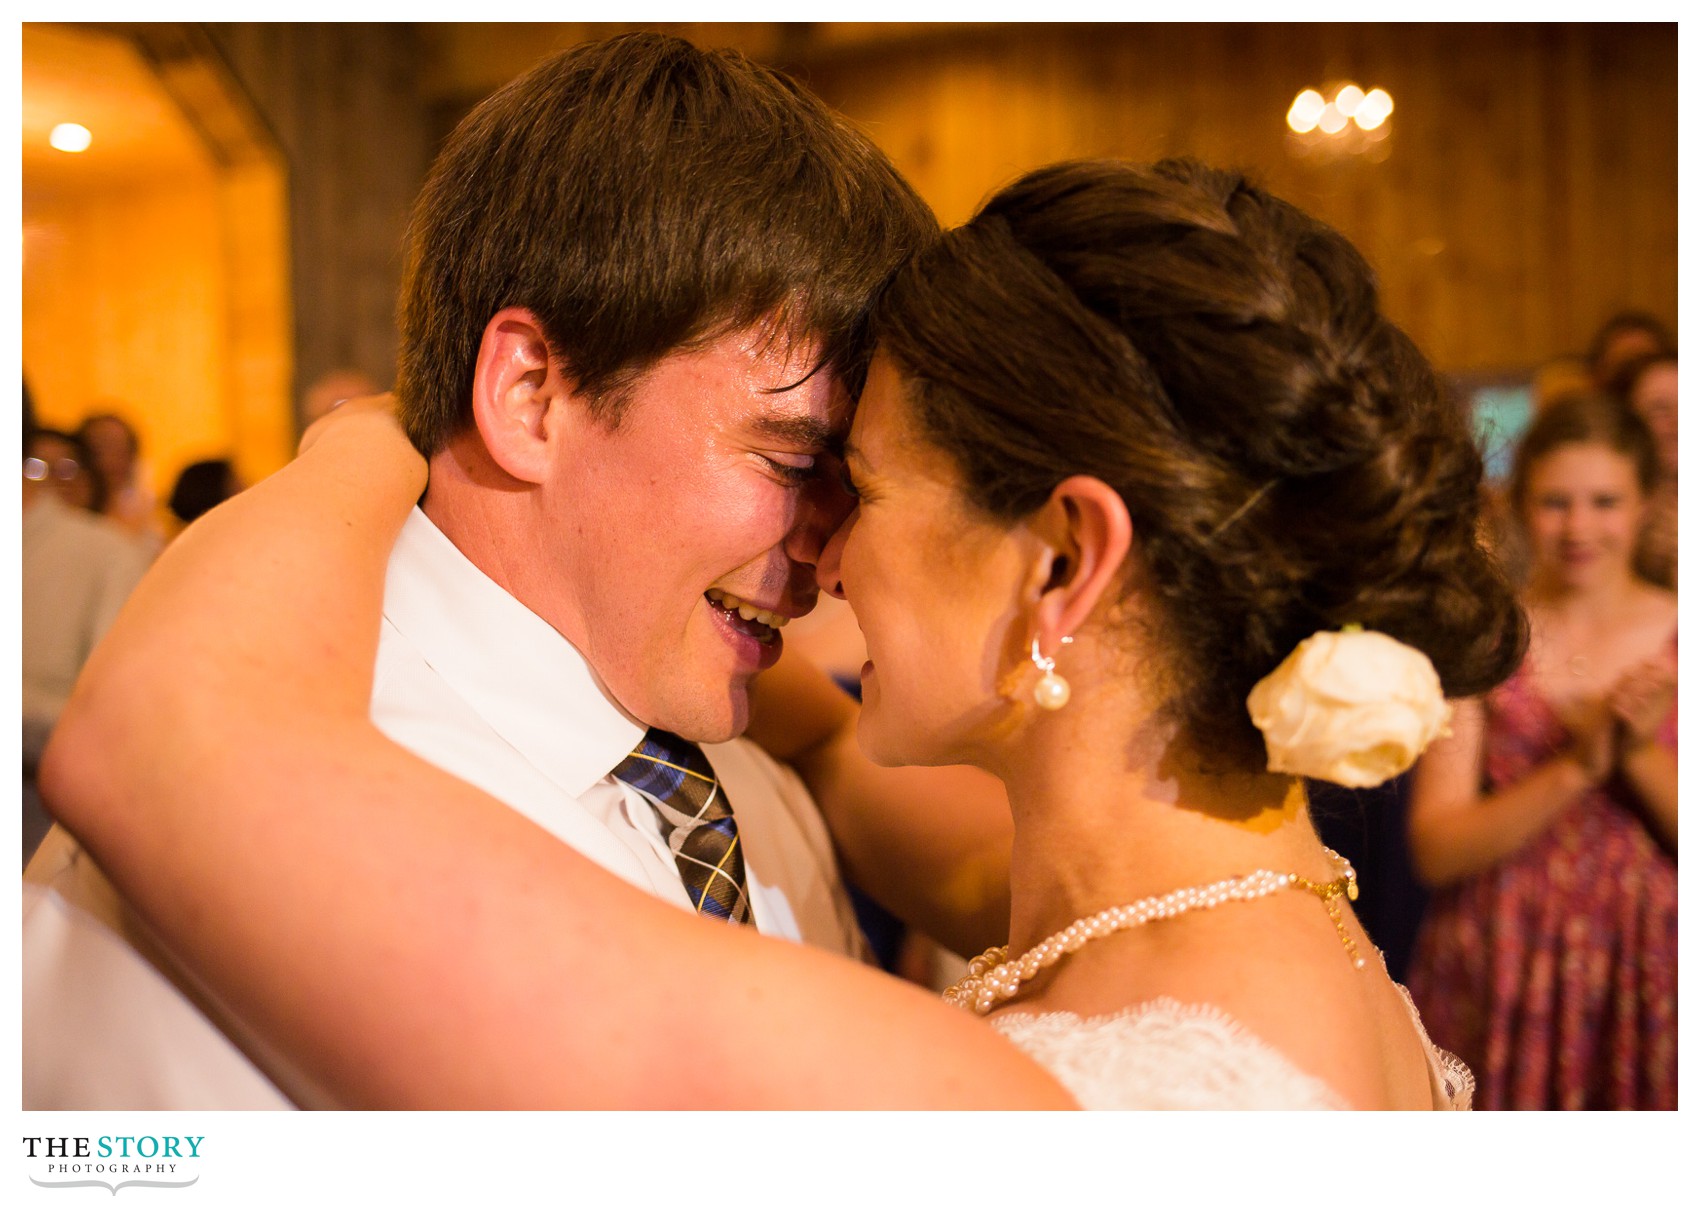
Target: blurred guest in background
[[77, 570], [1368, 826], [62, 461], [331, 389], [1547, 823], [1648, 385], [116, 451], [1622, 339], [200, 486]]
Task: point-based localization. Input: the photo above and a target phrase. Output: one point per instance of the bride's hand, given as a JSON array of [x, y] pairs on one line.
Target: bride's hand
[[343, 412]]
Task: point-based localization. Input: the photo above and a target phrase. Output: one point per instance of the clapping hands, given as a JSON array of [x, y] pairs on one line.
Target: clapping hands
[[1641, 700], [1626, 718], [1593, 736]]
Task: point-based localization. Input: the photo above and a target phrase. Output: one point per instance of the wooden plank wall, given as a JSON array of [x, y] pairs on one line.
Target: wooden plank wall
[[344, 103], [1529, 189]]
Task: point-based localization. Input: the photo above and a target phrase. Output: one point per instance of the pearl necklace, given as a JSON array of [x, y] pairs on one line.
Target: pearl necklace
[[994, 977]]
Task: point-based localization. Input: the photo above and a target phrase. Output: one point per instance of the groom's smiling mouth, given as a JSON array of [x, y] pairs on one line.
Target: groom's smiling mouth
[[745, 618]]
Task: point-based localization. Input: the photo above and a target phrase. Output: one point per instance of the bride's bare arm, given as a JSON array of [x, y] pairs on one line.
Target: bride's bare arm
[[931, 844], [396, 933]]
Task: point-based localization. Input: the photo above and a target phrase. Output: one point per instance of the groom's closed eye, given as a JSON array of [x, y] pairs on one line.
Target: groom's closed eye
[[794, 470]]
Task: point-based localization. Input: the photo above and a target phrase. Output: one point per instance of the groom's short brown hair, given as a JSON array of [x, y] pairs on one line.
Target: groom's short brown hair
[[638, 195]]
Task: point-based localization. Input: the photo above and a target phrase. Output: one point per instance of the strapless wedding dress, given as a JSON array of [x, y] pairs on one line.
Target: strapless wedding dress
[[1163, 1055]]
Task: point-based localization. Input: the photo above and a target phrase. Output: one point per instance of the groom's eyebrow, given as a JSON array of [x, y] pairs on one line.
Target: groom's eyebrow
[[805, 433]]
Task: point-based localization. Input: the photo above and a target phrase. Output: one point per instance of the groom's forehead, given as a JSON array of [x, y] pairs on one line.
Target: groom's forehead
[[790, 401]]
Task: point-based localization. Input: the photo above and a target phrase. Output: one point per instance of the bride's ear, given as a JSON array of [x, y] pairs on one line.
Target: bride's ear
[[1085, 535]]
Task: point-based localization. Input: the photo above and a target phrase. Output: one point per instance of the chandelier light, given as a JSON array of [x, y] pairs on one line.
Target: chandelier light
[[1351, 122]]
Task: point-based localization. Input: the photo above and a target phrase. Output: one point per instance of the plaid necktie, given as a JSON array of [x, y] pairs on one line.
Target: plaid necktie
[[697, 820]]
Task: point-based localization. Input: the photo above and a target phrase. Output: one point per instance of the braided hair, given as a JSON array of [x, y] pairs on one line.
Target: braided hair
[[1289, 459]]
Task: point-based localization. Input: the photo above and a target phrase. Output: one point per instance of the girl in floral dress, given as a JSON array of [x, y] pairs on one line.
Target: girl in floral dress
[[1548, 821]]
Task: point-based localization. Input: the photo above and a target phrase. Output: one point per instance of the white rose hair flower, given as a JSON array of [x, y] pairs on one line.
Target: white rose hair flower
[[1352, 707]]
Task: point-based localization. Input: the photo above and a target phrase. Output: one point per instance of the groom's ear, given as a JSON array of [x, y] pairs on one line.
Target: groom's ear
[[1085, 535], [514, 388]]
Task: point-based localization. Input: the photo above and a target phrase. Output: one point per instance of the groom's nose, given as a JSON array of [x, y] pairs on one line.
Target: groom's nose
[[821, 514], [827, 571]]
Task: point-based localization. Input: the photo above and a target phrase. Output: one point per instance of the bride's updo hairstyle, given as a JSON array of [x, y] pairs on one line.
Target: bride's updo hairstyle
[[1290, 462]]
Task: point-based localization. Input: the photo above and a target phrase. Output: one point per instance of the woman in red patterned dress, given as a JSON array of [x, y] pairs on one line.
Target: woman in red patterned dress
[[1547, 823]]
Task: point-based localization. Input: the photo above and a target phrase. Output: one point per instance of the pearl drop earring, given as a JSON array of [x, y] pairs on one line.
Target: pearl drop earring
[[1052, 691]]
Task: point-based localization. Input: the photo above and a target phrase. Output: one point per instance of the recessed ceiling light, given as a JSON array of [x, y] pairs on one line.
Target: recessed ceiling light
[[69, 137]]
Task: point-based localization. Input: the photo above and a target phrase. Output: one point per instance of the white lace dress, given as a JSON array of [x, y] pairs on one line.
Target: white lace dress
[[1163, 1055]]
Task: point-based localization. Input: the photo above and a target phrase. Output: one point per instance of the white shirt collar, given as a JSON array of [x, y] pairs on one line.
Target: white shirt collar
[[515, 670]]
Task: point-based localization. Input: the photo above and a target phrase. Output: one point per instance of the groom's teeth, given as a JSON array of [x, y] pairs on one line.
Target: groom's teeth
[[745, 611]]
